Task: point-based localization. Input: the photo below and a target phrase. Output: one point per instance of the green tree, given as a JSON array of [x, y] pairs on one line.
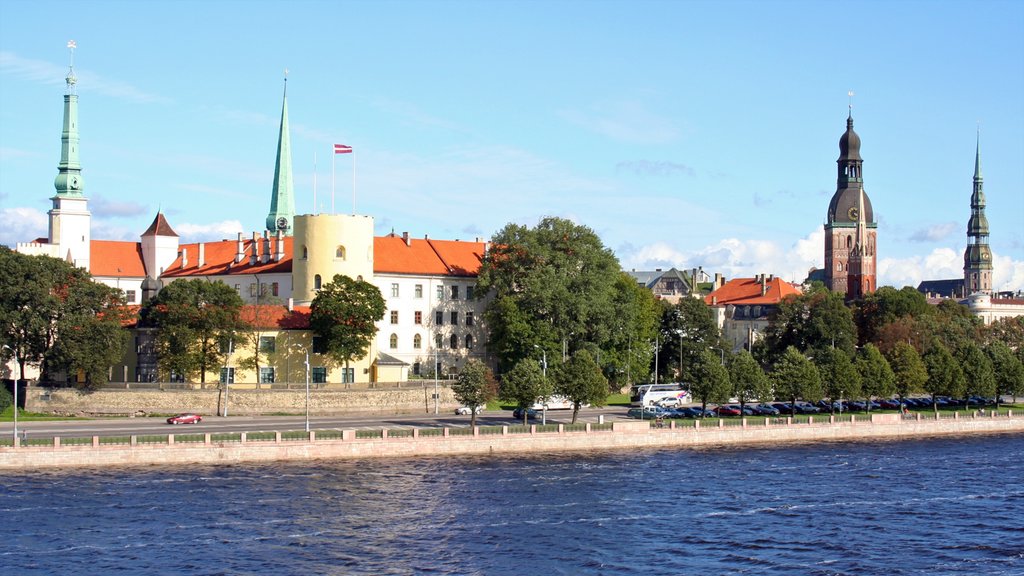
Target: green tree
[[885, 306], [945, 377], [710, 379], [814, 320], [839, 376], [626, 356], [749, 382], [90, 333], [1008, 369], [256, 321], [580, 381], [475, 386], [686, 330], [908, 369], [795, 377], [978, 374], [553, 287], [877, 379], [344, 314], [193, 318], [524, 384]]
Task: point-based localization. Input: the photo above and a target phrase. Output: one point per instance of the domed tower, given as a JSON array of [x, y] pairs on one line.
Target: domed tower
[[978, 256], [850, 224]]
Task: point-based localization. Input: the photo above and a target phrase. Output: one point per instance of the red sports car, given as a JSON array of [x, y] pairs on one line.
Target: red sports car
[[186, 418]]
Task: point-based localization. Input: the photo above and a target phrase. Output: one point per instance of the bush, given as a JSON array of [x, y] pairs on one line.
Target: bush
[[5, 398]]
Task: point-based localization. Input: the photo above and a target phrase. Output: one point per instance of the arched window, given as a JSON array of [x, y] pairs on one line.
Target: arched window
[[394, 341], [454, 342], [316, 282], [305, 253], [417, 341], [849, 242], [340, 253], [469, 341]]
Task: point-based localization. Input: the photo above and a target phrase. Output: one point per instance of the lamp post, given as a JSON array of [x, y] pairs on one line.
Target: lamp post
[[544, 360], [15, 354], [436, 370], [723, 353]]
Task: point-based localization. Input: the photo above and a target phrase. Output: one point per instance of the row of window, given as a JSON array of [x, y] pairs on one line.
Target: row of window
[[418, 291], [417, 341], [268, 375], [438, 318], [339, 253]]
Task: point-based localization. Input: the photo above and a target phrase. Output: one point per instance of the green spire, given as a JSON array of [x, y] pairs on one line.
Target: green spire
[[69, 181], [282, 201], [977, 157]]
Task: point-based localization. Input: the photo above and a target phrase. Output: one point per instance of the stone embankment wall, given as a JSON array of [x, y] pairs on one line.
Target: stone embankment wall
[[621, 435], [407, 400]]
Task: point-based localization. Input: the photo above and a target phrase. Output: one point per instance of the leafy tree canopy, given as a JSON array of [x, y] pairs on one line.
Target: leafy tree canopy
[[839, 375], [887, 305], [687, 328], [344, 314], [749, 382], [945, 377], [524, 384], [908, 369], [814, 320], [475, 386], [580, 380], [877, 378], [710, 379], [796, 377]]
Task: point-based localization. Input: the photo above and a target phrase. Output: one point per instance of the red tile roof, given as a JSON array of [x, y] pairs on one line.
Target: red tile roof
[[160, 227], [748, 291], [219, 259], [461, 258], [276, 317], [113, 258]]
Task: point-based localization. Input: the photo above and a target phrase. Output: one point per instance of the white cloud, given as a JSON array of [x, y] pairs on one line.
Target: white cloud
[[225, 229], [935, 233], [1007, 274], [940, 264], [22, 225]]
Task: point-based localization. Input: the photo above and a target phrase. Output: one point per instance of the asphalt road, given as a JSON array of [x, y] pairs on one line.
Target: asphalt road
[[213, 424]]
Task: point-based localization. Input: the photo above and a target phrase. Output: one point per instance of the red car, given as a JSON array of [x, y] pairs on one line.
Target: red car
[[727, 411], [186, 418]]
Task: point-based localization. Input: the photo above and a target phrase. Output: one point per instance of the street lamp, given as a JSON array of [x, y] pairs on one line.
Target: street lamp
[[544, 369], [544, 360], [437, 369], [723, 353], [15, 354]]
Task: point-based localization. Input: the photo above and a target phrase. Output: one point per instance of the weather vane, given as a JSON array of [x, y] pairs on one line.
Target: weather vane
[[850, 94], [71, 68]]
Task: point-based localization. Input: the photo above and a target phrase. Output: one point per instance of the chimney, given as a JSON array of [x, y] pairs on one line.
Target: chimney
[[240, 251], [265, 256], [184, 258], [202, 255], [714, 300], [719, 281], [406, 239], [279, 246], [255, 256], [291, 301]]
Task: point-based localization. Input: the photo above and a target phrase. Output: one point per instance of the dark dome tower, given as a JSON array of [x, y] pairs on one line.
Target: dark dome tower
[[978, 256]]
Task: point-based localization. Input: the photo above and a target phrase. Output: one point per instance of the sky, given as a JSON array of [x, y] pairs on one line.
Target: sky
[[683, 133]]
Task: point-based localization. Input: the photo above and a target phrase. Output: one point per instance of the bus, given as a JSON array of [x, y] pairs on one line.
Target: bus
[[650, 394]]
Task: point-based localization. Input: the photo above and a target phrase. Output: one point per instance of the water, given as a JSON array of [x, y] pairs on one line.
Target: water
[[940, 506]]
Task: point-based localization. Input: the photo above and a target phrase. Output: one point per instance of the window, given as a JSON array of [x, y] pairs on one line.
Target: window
[[415, 368], [227, 375], [440, 292], [175, 377], [319, 345], [455, 292], [305, 253], [274, 288], [394, 289], [419, 290], [238, 288], [418, 317], [469, 292], [454, 342], [316, 282], [394, 316], [437, 341], [268, 344], [417, 341], [469, 341], [340, 253], [267, 375], [319, 374], [455, 318], [227, 346], [439, 318], [469, 318], [348, 375], [252, 289], [129, 296], [394, 341]]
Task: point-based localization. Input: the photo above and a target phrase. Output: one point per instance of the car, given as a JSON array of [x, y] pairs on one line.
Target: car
[[466, 410], [765, 410], [185, 418], [727, 411], [530, 413], [890, 404], [783, 407], [807, 408], [856, 406], [670, 402]]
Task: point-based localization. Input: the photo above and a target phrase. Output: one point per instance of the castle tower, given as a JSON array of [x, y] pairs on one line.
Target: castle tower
[[329, 244], [69, 217], [978, 255], [850, 222], [282, 200]]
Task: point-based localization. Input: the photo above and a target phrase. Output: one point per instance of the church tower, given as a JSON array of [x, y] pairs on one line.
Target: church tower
[[978, 256], [282, 200], [69, 216], [850, 227]]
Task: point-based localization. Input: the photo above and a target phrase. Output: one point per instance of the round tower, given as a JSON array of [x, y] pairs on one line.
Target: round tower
[[329, 244]]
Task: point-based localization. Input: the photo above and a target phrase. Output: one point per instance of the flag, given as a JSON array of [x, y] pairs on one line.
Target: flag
[[342, 149]]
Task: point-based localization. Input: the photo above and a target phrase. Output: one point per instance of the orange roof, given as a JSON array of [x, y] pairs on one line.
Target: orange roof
[[276, 316], [219, 259], [391, 254], [748, 291], [160, 227], [461, 258], [113, 258]]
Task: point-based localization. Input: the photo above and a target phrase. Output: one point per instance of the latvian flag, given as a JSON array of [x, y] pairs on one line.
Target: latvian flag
[[342, 149]]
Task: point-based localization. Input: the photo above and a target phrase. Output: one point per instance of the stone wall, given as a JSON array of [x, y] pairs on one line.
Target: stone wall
[[407, 400]]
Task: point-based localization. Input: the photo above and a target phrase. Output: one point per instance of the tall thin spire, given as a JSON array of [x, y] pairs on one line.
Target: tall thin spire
[[69, 181], [978, 255], [282, 201], [977, 156]]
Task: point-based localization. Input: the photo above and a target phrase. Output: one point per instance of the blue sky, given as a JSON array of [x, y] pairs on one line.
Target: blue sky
[[684, 133]]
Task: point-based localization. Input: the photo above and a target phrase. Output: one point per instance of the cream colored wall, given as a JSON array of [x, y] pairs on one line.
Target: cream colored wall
[[321, 235]]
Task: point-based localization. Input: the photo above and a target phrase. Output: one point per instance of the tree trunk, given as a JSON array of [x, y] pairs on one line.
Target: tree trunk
[[575, 411]]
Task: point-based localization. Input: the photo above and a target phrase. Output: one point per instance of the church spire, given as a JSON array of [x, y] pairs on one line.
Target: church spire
[[282, 201], [978, 255], [69, 181]]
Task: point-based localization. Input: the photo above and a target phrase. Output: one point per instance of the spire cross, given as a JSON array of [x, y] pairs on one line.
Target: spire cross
[[850, 94], [71, 67]]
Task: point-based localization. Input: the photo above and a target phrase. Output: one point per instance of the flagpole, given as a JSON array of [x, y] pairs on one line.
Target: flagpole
[[353, 183], [332, 182], [313, 212]]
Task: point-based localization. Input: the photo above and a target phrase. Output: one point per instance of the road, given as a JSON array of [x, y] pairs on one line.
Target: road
[[215, 424]]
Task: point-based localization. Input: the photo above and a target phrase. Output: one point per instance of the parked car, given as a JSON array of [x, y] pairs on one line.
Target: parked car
[[890, 404], [783, 407], [807, 408], [466, 410], [530, 413], [648, 412], [766, 410], [727, 411], [185, 418]]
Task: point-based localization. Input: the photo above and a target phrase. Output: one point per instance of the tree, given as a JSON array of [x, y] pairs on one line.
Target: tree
[[877, 379], [581, 382], [908, 369], [524, 384], [686, 330], [90, 332], [978, 374], [796, 377], [344, 314], [474, 387], [553, 287], [1008, 369], [710, 379], [748, 379], [257, 320], [193, 319], [945, 377], [627, 357], [812, 321], [839, 375], [886, 306]]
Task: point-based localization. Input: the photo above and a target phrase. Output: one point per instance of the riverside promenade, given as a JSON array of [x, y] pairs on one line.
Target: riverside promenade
[[228, 448]]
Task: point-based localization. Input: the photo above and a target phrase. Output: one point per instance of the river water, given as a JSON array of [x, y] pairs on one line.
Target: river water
[[936, 506]]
